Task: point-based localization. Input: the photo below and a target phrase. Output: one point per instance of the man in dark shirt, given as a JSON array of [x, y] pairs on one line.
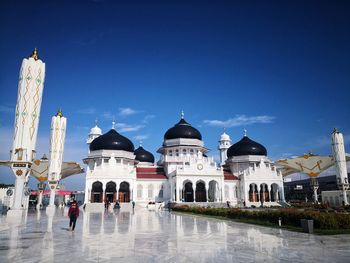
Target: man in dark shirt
[[73, 214]]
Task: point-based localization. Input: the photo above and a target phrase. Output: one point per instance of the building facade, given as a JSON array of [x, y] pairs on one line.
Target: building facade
[[183, 174]]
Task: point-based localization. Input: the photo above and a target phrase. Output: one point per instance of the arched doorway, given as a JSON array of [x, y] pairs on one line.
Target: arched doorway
[[201, 195], [124, 192], [111, 192], [253, 193], [274, 193], [188, 192], [213, 191], [96, 192]]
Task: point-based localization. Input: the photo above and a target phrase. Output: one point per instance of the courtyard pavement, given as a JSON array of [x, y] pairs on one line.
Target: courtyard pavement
[[159, 236]]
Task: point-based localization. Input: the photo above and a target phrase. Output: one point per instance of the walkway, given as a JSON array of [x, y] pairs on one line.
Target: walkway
[[152, 236]]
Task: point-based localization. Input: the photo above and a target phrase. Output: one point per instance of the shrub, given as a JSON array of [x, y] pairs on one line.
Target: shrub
[[289, 216]]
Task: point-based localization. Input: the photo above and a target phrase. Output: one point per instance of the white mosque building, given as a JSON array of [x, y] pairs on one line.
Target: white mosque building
[[185, 173]]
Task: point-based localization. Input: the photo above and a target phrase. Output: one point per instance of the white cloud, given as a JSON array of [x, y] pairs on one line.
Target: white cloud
[[123, 127], [90, 110], [240, 120], [147, 118], [141, 137], [126, 111], [7, 109], [108, 115]]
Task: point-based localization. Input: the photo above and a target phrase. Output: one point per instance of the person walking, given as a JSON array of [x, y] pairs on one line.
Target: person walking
[[73, 214]]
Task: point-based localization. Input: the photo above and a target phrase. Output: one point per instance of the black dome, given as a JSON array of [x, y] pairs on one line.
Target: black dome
[[112, 140], [246, 146], [143, 156], [182, 130]]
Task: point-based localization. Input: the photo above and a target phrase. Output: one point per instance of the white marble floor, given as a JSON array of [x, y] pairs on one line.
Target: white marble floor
[[159, 236]]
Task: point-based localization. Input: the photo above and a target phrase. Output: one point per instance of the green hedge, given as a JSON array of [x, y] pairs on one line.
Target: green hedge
[[289, 216]]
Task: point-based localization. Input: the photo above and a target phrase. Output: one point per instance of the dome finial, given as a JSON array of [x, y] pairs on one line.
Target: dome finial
[[35, 54], [96, 121], [245, 132], [59, 113], [140, 143], [182, 114]]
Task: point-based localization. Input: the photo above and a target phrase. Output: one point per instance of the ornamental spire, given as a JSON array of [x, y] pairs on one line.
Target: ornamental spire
[[59, 113], [140, 143], [35, 54], [182, 114], [113, 125], [245, 132]]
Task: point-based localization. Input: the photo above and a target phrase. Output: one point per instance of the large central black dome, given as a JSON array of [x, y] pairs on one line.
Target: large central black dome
[[143, 156], [112, 140], [182, 130], [246, 146]]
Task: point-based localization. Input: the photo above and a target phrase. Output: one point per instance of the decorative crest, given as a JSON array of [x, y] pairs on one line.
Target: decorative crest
[[59, 113], [35, 54]]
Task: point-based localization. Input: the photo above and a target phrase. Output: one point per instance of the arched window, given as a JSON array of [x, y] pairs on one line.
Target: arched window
[[150, 191], [139, 191]]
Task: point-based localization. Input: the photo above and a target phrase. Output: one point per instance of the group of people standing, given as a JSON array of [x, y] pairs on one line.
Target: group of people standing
[[116, 205]]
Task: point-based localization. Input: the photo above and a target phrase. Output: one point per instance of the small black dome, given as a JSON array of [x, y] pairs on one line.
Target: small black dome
[[143, 156], [182, 130], [112, 140], [246, 146]]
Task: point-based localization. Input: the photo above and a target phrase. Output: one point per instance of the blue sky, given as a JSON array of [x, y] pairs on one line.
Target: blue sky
[[280, 69]]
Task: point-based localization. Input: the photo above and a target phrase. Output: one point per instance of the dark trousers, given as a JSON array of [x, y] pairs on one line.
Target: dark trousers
[[72, 221]]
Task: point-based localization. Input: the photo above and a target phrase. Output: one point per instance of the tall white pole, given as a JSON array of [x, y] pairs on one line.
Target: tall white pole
[[58, 134], [340, 163], [30, 89]]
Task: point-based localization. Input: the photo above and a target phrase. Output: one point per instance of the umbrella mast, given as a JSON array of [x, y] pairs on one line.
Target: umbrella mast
[[340, 163], [58, 134], [30, 90]]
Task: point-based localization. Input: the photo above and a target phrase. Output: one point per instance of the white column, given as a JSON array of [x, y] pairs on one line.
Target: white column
[[269, 193], [340, 163], [177, 190], [282, 193], [58, 134], [18, 193], [40, 200], [207, 191], [30, 88], [194, 192]]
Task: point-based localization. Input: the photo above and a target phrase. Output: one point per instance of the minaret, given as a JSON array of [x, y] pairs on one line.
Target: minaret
[[30, 90], [58, 134], [94, 133], [340, 163], [224, 144]]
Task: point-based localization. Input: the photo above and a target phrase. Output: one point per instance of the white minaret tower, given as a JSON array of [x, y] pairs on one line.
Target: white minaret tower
[[94, 133], [340, 163], [30, 90], [224, 144], [58, 134]]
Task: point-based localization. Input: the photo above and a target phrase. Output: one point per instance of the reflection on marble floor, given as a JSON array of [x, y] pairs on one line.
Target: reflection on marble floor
[[159, 236]]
